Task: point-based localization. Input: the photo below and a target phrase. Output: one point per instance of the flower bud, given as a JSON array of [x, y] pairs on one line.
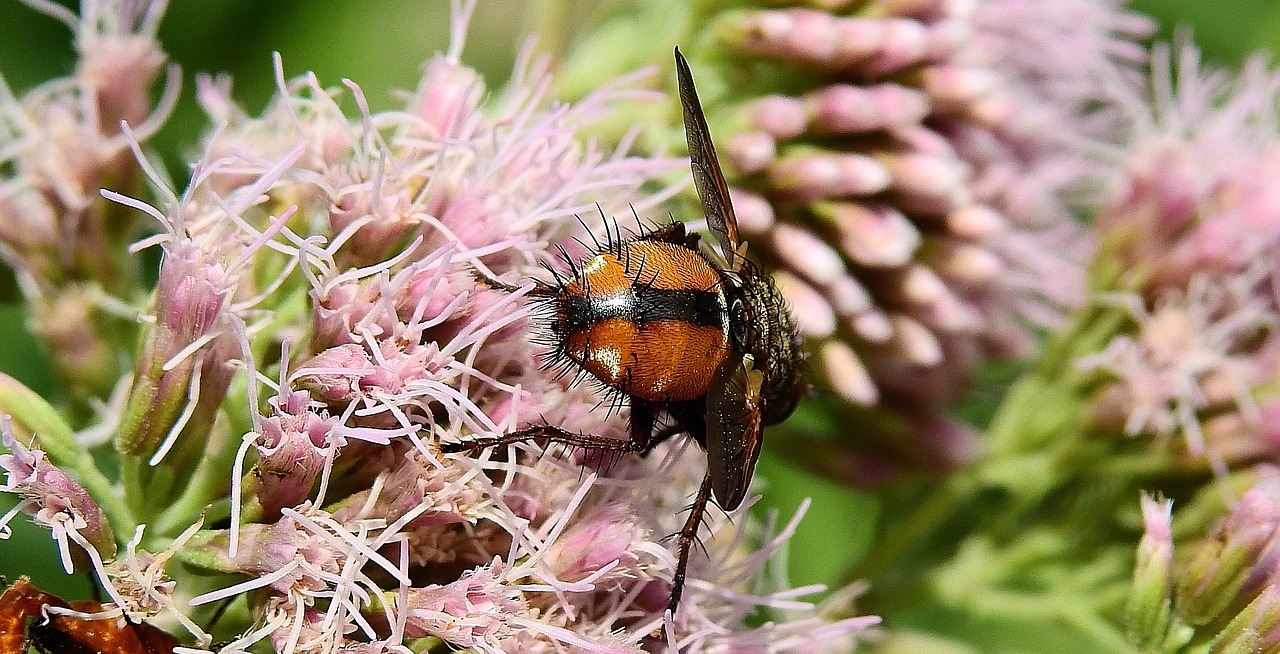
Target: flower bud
[[1220, 566], [292, 450], [1148, 607], [53, 498], [606, 537], [1255, 630]]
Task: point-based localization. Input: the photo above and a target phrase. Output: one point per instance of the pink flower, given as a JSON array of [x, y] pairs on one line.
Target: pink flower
[[1189, 222], [1150, 601], [337, 265], [295, 445], [54, 499], [198, 315], [1224, 589], [1190, 194], [1194, 353]]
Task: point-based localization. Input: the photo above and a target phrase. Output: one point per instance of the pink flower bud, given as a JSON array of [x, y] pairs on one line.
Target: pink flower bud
[[798, 34], [52, 497], [333, 376], [447, 97], [813, 315], [779, 116], [873, 235], [964, 265], [928, 184], [1256, 628], [846, 109], [976, 222], [755, 214], [1149, 604], [805, 177], [468, 612], [914, 342], [848, 376], [906, 42], [807, 254], [752, 152], [954, 88], [292, 448], [1220, 566], [381, 219]]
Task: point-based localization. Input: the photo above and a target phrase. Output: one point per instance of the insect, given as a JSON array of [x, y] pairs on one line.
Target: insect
[[679, 329], [66, 634]]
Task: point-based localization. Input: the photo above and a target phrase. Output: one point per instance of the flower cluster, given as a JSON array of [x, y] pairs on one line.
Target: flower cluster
[[271, 364], [1190, 226], [906, 170], [62, 141], [318, 293]]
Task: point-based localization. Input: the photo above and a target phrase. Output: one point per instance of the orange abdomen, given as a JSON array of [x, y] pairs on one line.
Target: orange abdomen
[[648, 319]]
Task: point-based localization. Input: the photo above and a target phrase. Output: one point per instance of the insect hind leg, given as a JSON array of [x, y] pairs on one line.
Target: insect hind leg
[[544, 432]]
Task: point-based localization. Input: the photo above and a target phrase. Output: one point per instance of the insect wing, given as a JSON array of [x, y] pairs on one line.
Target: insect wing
[[707, 176], [733, 429]]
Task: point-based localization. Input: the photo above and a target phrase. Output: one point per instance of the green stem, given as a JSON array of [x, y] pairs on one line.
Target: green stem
[[1101, 631], [916, 529], [1130, 466], [552, 27], [1041, 406], [208, 484]]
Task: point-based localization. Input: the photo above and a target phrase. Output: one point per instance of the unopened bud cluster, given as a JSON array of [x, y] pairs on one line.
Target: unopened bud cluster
[[1223, 587], [905, 171]]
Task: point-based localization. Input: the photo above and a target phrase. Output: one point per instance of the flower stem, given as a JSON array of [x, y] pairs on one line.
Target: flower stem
[[207, 485], [915, 530]]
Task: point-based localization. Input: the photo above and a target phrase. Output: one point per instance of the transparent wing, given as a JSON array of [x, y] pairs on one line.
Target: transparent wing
[[707, 176], [734, 429]]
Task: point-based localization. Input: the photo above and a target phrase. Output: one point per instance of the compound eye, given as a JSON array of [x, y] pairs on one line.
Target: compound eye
[[738, 324]]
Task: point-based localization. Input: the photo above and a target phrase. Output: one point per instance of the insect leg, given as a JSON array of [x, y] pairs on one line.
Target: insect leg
[[687, 537], [547, 433], [537, 291]]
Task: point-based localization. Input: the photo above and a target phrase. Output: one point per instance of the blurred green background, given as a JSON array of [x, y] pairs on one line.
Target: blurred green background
[[381, 44]]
